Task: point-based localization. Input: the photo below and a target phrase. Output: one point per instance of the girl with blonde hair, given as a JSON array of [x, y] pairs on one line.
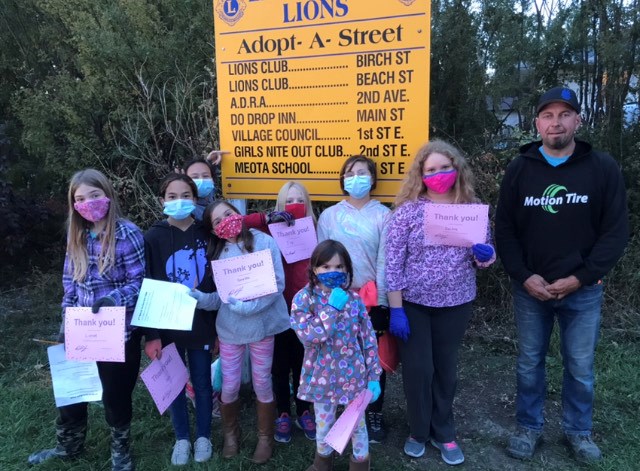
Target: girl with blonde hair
[[430, 289], [104, 266]]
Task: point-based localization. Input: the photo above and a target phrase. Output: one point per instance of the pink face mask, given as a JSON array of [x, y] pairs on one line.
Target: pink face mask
[[230, 227], [93, 210], [440, 182]]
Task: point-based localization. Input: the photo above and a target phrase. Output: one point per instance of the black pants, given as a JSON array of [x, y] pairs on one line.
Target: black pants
[[288, 354], [429, 368], [118, 381], [377, 405]]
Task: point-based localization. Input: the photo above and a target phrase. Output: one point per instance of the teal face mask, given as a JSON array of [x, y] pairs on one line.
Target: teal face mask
[[358, 186], [205, 186], [178, 209]]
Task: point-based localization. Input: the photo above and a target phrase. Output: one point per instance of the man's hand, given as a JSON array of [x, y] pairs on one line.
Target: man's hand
[[537, 286], [564, 286]]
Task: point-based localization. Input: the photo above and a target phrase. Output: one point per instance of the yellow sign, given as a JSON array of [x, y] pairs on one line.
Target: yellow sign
[[304, 84]]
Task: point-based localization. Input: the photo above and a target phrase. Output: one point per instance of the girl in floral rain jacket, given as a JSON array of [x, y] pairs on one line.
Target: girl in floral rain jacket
[[341, 353]]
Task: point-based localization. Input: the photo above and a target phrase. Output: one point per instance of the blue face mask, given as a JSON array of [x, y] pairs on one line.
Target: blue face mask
[[332, 279], [205, 186], [178, 209], [358, 186]]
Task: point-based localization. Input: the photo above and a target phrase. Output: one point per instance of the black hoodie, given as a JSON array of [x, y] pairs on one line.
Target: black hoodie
[[180, 256], [560, 221]]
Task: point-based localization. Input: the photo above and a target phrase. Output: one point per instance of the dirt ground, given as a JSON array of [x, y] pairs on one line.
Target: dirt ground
[[484, 411]]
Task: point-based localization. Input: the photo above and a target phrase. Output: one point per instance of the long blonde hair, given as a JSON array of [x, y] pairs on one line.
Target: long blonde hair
[[413, 187], [281, 201], [77, 226]]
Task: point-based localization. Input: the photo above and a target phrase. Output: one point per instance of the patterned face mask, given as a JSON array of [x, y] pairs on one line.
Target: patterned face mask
[[230, 227], [332, 279], [440, 182], [93, 210]]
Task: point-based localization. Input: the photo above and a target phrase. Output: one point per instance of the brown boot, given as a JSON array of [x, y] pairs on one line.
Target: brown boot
[[322, 463], [266, 417], [359, 465], [230, 428]]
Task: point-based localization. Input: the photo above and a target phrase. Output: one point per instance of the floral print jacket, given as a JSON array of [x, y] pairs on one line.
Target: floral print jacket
[[340, 348]]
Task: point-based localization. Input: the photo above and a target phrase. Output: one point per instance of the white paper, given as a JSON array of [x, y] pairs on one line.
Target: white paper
[[73, 381], [164, 305]]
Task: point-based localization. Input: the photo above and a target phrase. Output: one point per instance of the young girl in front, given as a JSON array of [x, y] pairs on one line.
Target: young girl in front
[[104, 266], [176, 251], [340, 349], [241, 324], [292, 203]]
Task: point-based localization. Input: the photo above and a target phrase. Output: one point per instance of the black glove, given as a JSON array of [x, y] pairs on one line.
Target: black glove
[[105, 301], [379, 318], [281, 216]]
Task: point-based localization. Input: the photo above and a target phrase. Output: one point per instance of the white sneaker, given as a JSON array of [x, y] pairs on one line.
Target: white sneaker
[[202, 450], [181, 453]]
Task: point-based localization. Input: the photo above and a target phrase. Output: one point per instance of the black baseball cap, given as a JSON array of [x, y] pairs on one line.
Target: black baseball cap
[[559, 94]]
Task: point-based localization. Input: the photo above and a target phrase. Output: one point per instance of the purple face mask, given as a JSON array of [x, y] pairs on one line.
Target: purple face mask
[[440, 182], [93, 210]]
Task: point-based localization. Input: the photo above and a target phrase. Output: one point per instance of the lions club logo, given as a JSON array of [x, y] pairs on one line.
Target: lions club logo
[[230, 11]]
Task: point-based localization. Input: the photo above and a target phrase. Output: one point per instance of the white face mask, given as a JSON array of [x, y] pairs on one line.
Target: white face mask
[[358, 186]]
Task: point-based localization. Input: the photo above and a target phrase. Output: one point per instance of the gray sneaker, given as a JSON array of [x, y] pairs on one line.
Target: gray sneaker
[[202, 450], [450, 452], [523, 443], [413, 448], [583, 447]]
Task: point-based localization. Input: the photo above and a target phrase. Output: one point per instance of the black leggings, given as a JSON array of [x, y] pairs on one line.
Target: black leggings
[[429, 368], [118, 381], [288, 354]]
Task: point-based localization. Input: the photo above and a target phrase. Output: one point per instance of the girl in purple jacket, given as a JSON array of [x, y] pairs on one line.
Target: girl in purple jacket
[[340, 349]]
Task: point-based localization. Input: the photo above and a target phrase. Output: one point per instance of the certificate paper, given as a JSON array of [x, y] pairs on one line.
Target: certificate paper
[[343, 428], [245, 276], [295, 242], [460, 225], [164, 305], [94, 337], [165, 378], [73, 381]]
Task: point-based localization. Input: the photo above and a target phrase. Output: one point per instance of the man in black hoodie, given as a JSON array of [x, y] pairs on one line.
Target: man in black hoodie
[[561, 225]]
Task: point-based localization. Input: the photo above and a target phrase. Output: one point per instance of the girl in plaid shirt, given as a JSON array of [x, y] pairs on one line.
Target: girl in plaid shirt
[[104, 266]]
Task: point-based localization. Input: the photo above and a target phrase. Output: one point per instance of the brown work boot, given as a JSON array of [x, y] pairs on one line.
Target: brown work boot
[[266, 417], [360, 465], [322, 463], [230, 428]]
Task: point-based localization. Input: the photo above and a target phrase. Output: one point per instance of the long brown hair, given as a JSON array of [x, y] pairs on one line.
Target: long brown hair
[[216, 244], [77, 226], [413, 187]]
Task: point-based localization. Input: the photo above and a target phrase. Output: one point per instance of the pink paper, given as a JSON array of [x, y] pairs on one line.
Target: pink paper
[[341, 432], [165, 378], [94, 337], [295, 242], [460, 225], [245, 276]]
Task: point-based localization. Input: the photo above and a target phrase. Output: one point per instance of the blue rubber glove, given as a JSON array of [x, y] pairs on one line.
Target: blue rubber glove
[[338, 298], [482, 252], [399, 324], [105, 301], [374, 387]]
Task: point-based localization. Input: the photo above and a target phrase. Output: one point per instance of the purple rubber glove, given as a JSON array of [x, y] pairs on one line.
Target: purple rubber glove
[[281, 216], [399, 324], [482, 252]]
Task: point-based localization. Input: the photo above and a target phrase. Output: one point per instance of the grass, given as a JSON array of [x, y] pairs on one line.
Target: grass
[[484, 405]]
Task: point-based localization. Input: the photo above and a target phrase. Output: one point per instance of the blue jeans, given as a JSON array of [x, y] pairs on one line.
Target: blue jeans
[[579, 321], [200, 373]]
